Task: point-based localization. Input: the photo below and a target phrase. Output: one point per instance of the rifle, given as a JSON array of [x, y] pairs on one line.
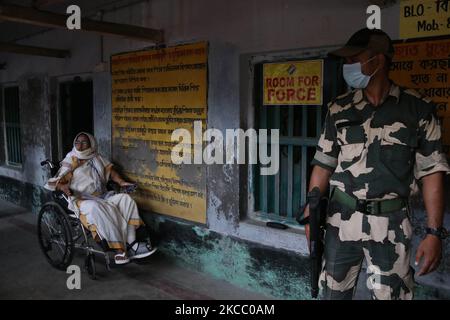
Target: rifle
[[316, 220]]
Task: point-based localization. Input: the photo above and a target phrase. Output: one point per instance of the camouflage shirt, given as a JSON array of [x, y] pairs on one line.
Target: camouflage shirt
[[377, 152]]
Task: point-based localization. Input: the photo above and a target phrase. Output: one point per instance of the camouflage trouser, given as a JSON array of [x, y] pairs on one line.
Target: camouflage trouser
[[383, 240]]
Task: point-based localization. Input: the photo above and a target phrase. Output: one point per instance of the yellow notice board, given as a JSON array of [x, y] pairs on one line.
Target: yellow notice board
[[424, 18], [293, 83], [425, 66], [153, 93]]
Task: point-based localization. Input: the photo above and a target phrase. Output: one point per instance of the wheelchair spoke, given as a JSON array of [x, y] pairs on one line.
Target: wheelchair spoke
[[59, 247], [50, 228], [54, 233]]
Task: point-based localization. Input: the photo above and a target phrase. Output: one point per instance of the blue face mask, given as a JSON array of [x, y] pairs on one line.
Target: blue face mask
[[354, 76]]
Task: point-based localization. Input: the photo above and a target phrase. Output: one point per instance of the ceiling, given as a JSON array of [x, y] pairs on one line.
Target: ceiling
[[12, 31]]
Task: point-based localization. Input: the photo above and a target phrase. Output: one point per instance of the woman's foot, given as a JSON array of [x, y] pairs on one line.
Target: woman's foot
[[141, 250], [121, 258]]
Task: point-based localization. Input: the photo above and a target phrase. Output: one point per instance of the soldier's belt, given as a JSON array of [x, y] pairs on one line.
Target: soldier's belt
[[368, 207]]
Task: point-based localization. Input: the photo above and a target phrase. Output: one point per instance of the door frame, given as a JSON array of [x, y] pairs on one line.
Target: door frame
[[87, 76]]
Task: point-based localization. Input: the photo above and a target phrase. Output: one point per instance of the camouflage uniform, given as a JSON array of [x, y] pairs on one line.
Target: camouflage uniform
[[375, 153]]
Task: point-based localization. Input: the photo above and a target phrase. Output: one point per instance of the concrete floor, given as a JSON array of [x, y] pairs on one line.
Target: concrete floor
[[25, 273]]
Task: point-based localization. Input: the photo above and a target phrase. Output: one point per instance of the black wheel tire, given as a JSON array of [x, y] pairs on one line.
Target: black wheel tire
[[89, 265], [65, 235]]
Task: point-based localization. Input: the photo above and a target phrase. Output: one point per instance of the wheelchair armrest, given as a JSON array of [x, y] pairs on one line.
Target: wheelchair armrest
[[60, 198], [58, 194]]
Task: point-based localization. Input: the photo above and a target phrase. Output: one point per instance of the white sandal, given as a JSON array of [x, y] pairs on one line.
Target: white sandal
[[142, 250], [121, 258]]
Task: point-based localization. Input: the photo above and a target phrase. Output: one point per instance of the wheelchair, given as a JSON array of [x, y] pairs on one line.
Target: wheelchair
[[61, 231]]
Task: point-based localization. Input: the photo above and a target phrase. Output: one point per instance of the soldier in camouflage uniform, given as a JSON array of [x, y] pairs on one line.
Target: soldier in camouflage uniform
[[376, 142]]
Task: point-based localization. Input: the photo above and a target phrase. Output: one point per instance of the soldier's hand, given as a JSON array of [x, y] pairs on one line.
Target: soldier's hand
[[429, 251], [306, 214], [307, 234]]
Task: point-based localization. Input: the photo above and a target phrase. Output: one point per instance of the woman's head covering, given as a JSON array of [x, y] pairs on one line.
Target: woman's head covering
[[69, 164], [88, 153]]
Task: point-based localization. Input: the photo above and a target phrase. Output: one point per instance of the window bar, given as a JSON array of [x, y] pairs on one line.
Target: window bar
[[290, 169], [18, 146], [13, 141], [297, 180], [299, 141], [13, 144], [9, 137], [8, 127], [304, 164], [12, 128], [8, 142], [318, 121], [277, 125], [263, 196], [14, 134], [13, 138]]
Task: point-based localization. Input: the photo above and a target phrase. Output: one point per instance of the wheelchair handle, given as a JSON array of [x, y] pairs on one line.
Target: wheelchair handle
[[47, 162]]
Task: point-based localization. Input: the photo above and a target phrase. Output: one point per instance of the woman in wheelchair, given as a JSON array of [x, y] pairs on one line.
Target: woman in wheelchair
[[83, 177]]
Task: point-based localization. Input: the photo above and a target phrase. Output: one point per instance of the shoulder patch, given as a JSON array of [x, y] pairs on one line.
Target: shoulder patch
[[344, 97], [342, 102], [417, 94], [413, 92]]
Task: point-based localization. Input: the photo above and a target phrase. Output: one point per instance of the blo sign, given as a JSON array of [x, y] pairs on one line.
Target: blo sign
[[420, 18]]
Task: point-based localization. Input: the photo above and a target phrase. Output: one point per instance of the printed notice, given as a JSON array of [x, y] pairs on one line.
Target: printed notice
[[153, 93], [425, 66]]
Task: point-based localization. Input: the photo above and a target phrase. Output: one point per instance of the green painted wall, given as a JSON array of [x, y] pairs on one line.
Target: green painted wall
[[269, 271]]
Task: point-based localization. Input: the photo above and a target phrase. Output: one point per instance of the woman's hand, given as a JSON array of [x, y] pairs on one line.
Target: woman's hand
[[118, 179], [65, 188], [128, 187], [124, 183]]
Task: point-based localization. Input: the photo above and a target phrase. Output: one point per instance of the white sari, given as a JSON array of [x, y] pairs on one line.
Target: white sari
[[114, 216]]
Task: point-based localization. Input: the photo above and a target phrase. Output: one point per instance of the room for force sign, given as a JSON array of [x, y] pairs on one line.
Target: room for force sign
[[293, 83]]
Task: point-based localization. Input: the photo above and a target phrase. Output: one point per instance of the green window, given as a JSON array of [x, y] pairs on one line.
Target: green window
[[12, 126], [279, 197]]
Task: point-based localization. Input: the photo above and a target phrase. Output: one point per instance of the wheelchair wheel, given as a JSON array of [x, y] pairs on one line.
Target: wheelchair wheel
[[55, 235], [89, 265]]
